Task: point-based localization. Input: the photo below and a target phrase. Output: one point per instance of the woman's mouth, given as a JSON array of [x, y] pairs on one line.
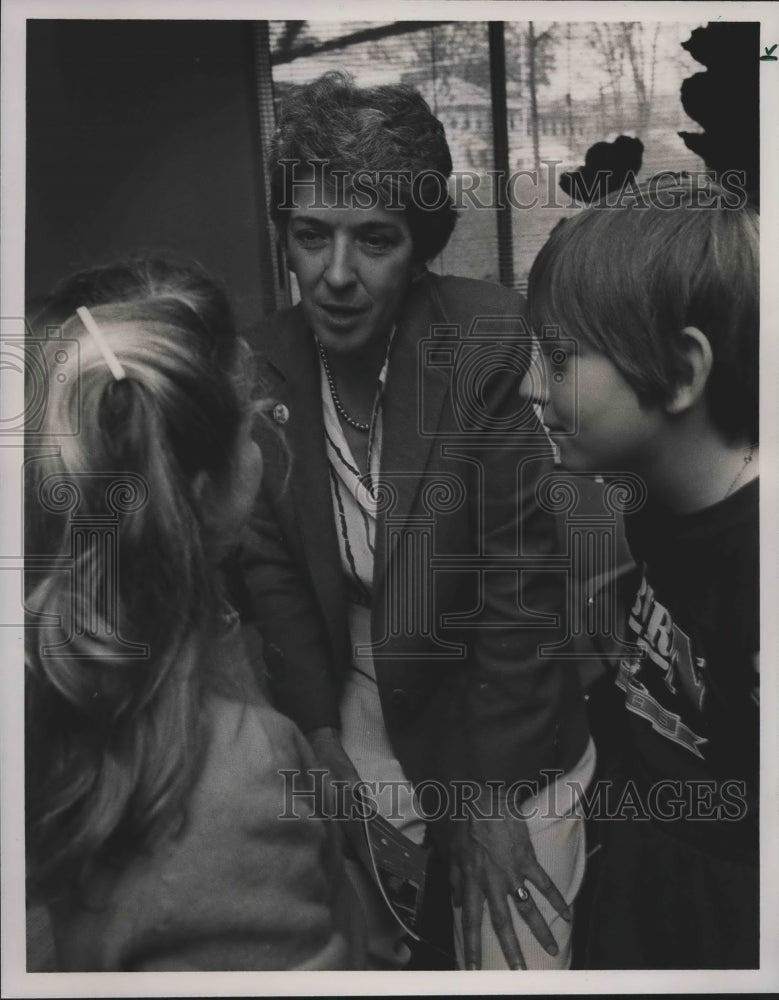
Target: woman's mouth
[[339, 311]]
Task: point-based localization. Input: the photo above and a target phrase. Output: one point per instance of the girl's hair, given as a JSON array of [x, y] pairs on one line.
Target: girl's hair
[[386, 137], [627, 279], [113, 677]]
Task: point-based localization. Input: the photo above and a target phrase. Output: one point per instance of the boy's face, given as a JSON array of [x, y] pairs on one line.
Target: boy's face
[[594, 416]]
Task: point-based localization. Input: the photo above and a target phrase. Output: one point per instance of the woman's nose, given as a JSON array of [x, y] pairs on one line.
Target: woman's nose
[[339, 269]]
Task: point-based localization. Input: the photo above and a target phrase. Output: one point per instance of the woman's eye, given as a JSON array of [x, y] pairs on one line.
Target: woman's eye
[[377, 242], [309, 238]]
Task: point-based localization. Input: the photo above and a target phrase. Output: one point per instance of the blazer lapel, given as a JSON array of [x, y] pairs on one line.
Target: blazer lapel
[[294, 355], [413, 402]]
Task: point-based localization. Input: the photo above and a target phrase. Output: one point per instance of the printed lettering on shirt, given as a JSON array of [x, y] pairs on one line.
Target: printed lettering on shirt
[[668, 648]]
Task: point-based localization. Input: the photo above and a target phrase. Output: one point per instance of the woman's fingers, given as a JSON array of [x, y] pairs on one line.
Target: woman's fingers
[[502, 922], [497, 863], [539, 878], [456, 883], [527, 909], [473, 911]]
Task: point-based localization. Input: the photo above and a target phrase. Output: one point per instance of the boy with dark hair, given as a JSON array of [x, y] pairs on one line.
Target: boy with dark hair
[[661, 301]]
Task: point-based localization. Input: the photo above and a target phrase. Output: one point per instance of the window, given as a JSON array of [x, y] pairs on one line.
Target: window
[[567, 86]]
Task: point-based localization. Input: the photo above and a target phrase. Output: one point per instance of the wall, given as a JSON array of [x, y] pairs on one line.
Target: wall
[[143, 136]]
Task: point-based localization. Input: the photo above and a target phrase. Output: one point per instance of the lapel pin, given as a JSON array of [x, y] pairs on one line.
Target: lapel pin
[[280, 413]]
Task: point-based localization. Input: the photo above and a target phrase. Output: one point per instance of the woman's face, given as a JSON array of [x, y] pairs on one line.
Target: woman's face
[[353, 266]]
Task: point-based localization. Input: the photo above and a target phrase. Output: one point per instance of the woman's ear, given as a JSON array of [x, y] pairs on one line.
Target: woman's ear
[[697, 350], [418, 270]]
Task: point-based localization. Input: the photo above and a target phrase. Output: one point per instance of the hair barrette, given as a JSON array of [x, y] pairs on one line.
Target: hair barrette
[[97, 335]]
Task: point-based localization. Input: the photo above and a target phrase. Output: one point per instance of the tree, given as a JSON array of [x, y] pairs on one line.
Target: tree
[[606, 39], [458, 51], [447, 52], [538, 62], [640, 43], [296, 39], [628, 44]]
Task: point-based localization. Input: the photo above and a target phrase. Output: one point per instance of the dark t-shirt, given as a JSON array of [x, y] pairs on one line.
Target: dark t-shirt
[[691, 694]]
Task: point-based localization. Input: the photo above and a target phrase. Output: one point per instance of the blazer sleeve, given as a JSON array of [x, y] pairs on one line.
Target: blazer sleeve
[[301, 675]]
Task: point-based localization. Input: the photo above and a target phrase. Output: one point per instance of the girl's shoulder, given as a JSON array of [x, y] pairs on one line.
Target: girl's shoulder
[[253, 725], [229, 888], [255, 756], [252, 748]]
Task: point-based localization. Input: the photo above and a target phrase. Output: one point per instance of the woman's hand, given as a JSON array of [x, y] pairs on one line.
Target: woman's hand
[[492, 859]]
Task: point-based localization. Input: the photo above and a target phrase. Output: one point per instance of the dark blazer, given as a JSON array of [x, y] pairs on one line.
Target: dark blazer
[[463, 689]]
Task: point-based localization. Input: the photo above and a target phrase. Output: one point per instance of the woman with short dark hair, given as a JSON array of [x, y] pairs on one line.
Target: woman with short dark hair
[[394, 568]]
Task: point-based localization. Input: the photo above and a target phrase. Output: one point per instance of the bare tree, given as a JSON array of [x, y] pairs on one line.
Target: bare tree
[[460, 51], [641, 46], [537, 65], [628, 45], [608, 41], [445, 53]]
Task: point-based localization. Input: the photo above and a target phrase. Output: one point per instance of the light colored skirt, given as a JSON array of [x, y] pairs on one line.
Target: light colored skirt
[[557, 834]]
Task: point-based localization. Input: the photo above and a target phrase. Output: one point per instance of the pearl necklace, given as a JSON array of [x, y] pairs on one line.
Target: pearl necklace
[[357, 424], [747, 459]]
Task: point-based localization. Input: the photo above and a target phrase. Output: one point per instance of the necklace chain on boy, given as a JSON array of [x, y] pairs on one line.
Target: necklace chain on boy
[[747, 459], [357, 424]]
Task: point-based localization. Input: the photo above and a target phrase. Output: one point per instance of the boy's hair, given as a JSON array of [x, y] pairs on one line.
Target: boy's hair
[[113, 739], [627, 280], [386, 134]]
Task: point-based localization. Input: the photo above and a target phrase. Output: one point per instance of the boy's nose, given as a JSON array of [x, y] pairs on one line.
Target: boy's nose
[[533, 387]]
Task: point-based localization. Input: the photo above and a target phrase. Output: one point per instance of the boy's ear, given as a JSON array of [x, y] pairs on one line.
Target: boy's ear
[[699, 359]]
